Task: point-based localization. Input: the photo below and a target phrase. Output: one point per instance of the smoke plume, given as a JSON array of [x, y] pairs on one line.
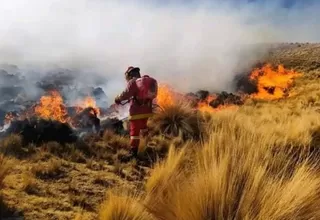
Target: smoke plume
[[188, 44]]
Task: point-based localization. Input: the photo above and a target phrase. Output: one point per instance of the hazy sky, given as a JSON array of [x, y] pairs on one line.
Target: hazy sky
[[282, 3]]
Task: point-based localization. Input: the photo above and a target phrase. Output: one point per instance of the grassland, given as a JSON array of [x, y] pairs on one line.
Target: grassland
[[260, 161]]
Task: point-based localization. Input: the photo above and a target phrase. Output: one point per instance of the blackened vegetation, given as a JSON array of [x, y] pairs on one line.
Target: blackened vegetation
[[202, 94], [225, 98], [87, 118], [244, 84], [219, 99], [199, 96], [38, 131], [113, 124]]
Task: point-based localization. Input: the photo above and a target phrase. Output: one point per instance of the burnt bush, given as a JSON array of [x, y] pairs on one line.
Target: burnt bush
[[38, 131], [244, 84], [225, 98], [113, 124]]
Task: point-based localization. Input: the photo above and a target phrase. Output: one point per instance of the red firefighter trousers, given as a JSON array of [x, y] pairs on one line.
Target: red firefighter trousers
[[138, 128]]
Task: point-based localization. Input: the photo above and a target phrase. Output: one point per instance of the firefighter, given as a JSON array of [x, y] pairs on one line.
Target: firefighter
[[141, 91]]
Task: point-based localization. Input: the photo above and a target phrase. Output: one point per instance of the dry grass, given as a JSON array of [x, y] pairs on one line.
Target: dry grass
[[5, 166], [119, 207], [50, 169], [178, 120], [227, 178], [30, 184], [303, 57], [12, 145]]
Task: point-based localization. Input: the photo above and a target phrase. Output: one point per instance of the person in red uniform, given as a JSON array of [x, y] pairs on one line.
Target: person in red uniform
[[140, 91]]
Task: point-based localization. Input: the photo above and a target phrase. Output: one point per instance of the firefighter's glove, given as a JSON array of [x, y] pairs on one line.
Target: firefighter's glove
[[117, 100]]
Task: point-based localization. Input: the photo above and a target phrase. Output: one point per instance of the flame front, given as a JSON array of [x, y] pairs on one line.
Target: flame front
[[204, 106], [86, 103], [52, 107], [166, 96], [272, 84]]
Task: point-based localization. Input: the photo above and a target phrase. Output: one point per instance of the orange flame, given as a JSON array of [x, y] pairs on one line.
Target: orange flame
[[273, 84], [8, 118], [166, 96], [52, 107], [86, 103], [204, 106]]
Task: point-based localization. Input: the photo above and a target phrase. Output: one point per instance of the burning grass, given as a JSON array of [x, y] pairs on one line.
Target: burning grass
[[273, 83], [52, 107]]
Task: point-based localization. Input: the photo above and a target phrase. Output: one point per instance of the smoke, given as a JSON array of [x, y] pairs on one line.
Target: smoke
[[188, 44]]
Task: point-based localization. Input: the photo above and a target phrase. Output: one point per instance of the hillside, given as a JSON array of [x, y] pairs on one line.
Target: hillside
[[301, 56], [258, 160]]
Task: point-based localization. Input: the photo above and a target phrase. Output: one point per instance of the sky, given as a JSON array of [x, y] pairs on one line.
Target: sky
[[288, 3], [283, 3], [191, 44]]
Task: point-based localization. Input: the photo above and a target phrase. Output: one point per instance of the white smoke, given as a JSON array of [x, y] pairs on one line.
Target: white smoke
[[190, 46]]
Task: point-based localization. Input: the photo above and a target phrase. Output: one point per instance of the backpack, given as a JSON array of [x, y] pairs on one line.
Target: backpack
[[147, 88]]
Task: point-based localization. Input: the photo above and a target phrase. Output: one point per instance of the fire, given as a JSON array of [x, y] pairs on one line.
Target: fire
[[272, 84], [204, 106], [166, 96], [8, 118], [52, 107], [88, 102]]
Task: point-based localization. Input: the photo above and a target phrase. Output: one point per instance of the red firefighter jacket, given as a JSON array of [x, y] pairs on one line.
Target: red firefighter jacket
[[136, 111]]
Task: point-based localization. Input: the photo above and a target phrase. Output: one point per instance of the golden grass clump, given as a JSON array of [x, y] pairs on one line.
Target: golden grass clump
[[177, 120], [231, 180], [118, 207]]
